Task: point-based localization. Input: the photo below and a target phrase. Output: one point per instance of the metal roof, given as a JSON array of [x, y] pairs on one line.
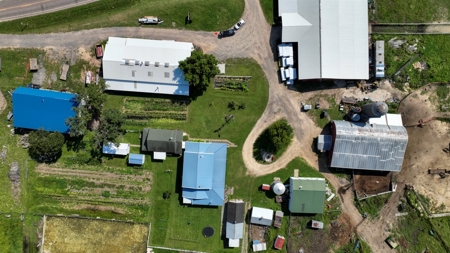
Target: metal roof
[[162, 140], [307, 195], [324, 142], [149, 66], [112, 149], [46, 109], [332, 37], [368, 146], [138, 159], [204, 168], [261, 216], [234, 230]]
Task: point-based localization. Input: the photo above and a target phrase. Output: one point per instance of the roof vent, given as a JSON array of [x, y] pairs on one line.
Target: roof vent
[[300, 187], [157, 64], [201, 156], [127, 62], [166, 64], [136, 62], [147, 63]]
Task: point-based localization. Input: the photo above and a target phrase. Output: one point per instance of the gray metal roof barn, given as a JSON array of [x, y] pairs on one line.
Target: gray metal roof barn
[[332, 37], [358, 145]]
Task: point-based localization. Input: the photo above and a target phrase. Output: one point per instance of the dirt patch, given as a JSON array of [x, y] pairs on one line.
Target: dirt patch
[[371, 182], [341, 231], [425, 148], [14, 176], [258, 233], [2, 102], [81, 235], [99, 208]]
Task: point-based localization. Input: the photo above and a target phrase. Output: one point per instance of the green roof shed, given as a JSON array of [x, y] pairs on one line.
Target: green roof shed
[[307, 195], [160, 140]]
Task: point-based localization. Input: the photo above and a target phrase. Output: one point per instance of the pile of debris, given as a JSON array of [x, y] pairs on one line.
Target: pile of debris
[[14, 177], [420, 66], [24, 141]]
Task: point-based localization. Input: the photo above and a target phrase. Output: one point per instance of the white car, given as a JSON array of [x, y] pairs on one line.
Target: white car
[[239, 24]]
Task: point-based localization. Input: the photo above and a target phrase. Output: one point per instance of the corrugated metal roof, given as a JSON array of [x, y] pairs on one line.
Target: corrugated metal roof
[[162, 140], [368, 147], [204, 169], [233, 243], [112, 149], [145, 65], [334, 45], [307, 195], [46, 109]]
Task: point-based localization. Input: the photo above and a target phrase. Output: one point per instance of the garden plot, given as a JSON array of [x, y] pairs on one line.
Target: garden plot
[[83, 235], [140, 111], [232, 83], [77, 189]]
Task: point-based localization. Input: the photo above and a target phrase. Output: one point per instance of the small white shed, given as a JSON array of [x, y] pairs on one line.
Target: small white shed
[[261, 216]]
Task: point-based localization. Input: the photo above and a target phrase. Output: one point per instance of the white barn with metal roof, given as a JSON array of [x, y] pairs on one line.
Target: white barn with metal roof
[[332, 37], [365, 146], [148, 66]]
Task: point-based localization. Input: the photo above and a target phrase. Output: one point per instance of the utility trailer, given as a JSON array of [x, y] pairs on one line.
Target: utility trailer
[[150, 20]]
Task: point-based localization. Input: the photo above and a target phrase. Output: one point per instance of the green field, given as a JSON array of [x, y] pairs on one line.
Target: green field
[[433, 49], [268, 10], [209, 15], [413, 11]]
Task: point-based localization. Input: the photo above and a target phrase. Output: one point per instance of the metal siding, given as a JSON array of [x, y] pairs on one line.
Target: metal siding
[[370, 147], [38, 108], [118, 75]]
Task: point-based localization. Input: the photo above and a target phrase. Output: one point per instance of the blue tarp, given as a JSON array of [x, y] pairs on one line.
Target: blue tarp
[[46, 109], [204, 169]]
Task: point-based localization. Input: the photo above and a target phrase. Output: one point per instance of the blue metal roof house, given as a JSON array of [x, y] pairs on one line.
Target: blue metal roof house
[[46, 109], [204, 168], [136, 159]]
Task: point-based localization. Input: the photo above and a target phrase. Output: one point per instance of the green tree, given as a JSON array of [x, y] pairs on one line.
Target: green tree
[[45, 146], [110, 126], [90, 101], [198, 70], [280, 134]]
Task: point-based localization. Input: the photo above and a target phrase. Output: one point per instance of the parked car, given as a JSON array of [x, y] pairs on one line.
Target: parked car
[[239, 24], [226, 33]]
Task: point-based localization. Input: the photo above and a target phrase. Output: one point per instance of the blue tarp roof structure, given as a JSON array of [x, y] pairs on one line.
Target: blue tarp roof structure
[[204, 168], [137, 159], [46, 109]]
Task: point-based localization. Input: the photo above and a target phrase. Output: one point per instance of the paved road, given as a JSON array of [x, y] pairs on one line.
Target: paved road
[[257, 40], [15, 9]]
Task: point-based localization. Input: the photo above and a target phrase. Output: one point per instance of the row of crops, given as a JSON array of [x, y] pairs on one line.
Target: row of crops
[[141, 111]]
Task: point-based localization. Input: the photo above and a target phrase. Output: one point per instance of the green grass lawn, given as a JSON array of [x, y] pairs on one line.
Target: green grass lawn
[[373, 205], [413, 11], [268, 10], [209, 15], [435, 51]]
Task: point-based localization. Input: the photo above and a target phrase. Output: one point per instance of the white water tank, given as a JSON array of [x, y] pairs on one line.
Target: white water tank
[[278, 188]]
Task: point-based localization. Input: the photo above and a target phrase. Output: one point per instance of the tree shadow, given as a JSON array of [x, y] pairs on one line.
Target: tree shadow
[[75, 144], [263, 143]]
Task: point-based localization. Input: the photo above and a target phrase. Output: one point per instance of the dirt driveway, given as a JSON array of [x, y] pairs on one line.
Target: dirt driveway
[[256, 39]]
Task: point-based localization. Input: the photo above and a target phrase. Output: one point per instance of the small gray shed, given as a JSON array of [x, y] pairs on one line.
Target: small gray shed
[[324, 142]]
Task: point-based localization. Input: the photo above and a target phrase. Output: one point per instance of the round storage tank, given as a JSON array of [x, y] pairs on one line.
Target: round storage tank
[[355, 117], [376, 109], [278, 188]]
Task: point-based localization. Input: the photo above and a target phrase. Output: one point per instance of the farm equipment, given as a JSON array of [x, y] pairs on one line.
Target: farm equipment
[[150, 20], [393, 244], [440, 172]]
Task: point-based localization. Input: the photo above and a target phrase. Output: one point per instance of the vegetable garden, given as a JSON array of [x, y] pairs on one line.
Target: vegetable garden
[[232, 83], [141, 111]]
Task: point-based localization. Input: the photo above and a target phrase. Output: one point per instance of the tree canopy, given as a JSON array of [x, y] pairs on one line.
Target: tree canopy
[[110, 128], [198, 70], [90, 102], [280, 133], [45, 146]]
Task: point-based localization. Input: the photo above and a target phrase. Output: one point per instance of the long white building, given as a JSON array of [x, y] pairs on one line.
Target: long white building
[[332, 37], [148, 66]]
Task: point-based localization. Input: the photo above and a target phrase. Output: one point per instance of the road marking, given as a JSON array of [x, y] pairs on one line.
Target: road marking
[[24, 5]]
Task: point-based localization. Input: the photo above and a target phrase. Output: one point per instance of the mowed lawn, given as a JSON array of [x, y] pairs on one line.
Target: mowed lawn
[[208, 15], [412, 11]]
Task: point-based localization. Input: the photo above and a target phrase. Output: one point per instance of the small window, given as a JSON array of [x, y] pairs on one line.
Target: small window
[[133, 73], [166, 64], [156, 64], [147, 63], [150, 73], [166, 74]]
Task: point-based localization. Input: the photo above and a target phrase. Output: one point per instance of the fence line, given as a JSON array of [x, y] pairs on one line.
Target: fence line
[[179, 250]]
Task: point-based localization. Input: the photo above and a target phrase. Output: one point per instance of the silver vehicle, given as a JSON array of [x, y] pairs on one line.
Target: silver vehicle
[[239, 24]]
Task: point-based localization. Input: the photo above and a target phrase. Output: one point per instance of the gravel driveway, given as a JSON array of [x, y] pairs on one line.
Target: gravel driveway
[[256, 39]]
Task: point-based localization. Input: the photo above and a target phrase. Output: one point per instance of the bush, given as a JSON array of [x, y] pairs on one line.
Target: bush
[[280, 134]]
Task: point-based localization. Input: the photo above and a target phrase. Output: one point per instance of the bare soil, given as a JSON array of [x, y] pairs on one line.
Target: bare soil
[[2, 102], [425, 148], [370, 183], [258, 233], [73, 235]]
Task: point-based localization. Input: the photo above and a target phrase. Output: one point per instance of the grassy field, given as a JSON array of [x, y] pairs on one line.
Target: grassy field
[[414, 11], [433, 49], [210, 15], [372, 206], [268, 9]]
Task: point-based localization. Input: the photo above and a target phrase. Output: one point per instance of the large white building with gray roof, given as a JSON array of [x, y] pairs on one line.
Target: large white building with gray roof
[[148, 66], [332, 37]]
